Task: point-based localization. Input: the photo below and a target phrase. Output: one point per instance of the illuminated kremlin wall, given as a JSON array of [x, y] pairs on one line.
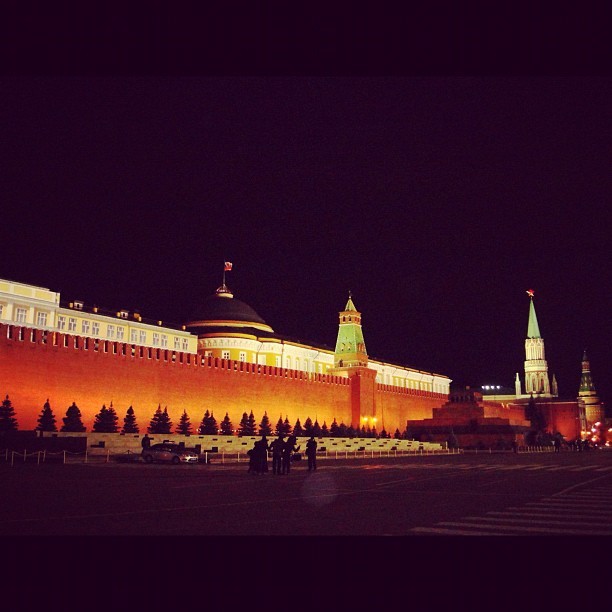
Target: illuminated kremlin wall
[[35, 365]]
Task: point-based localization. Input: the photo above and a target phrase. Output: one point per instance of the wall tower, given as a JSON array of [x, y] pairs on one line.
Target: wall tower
[[591, 408], [536, 368], [351, 359]]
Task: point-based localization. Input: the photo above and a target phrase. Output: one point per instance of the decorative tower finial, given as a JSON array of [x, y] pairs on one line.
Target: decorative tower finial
[[350, 345]]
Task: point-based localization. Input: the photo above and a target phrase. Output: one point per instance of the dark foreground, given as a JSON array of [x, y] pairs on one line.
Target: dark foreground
[[498, 494]]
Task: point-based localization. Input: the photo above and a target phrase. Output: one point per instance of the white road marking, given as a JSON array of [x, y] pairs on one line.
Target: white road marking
[[453, 531], [530, 529]]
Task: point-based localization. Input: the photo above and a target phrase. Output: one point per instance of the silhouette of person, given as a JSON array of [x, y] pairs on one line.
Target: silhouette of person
[[263, 455], [288, 450], [311, 453], [276, 446], [253, 463], [145, 443]]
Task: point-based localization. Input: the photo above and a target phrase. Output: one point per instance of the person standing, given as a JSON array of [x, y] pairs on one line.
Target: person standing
[[311, 453], [263, 455], [288, 451], [145, 443], [276, 447]]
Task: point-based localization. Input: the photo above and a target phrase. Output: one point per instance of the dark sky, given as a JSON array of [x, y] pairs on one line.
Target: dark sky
[[438, 201]]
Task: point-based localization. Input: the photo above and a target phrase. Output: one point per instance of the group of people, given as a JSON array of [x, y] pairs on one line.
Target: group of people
[[282, 453]]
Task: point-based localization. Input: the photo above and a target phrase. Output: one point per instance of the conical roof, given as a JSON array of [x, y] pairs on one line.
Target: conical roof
[[533, 330]]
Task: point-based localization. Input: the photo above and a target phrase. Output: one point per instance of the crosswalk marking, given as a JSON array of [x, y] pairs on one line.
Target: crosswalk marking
[[543, 514], [530, 529], [532, 521]]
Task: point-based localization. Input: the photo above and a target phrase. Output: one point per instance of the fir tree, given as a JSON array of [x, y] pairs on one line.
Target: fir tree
[[160, 423], [46, 420], [316, 429], [333, 428], [324, 430], [297, 429], [342, 430], [106, 420], [383, 434], [129, 422], [243, 426], [287, 427], [210, 427], [72, 420], [264, 427], [8, 422], [204, 424], [363, 432], [397, 435], [308, 427], [279, 430], [184, 426], [226, 426], [251, 425], [351, 432]]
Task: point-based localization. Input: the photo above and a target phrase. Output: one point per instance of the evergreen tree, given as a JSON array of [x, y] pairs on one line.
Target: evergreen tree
[[264, 427], [383, 433], [226, 426], [307, 427], [297, 429], [397, 435], [8, 422], [184, 426], [342, 430], [324, 430], [243, 426], [106, 420], [129, 422], [46, 420], [160, 423], [205, 423], [333, 429], [209, 425], [72, 420], [251, 425], [363, 433], [373, 433], [279, 430], [351, 432], [316, 429], [287, 429]]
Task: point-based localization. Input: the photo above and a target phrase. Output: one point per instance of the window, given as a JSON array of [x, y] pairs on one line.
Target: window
[[21, 315], [320, 367], [155, 338], [288, 363], [225, 355], [133, 336], [143, 337], [177, 343], [85, 327], [41, 318], [207, 353], [61, 323], [242, 356], [185, 344], [164, 341], [72, 324], [120, 332], [277, 361], [110, 332], [95, 328]]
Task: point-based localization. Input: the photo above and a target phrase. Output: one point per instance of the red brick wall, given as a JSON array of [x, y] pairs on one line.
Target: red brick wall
[[31, 372]]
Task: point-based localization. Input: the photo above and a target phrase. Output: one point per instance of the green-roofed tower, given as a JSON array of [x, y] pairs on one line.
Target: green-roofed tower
[[536, 368], [591, 408], [350, 345]]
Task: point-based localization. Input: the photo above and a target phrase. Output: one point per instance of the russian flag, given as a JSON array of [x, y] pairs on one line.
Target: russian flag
[[228, 266]]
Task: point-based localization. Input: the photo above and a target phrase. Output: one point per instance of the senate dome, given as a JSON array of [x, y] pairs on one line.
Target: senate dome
[[223, 313]]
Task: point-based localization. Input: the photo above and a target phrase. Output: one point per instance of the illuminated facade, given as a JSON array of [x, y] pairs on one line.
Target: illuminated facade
[[227, 359]]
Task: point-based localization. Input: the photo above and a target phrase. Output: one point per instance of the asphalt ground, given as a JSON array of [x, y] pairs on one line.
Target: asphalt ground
[[564, 493]]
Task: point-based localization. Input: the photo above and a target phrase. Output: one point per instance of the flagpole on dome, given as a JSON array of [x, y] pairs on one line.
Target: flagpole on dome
[[227, 266]]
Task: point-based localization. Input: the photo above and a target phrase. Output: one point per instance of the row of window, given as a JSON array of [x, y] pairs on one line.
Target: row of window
[[117, 332]]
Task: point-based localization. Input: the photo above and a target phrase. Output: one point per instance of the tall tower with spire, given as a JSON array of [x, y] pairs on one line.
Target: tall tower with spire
[[350, 346], [591, 408], [351, 360], [536, 368]]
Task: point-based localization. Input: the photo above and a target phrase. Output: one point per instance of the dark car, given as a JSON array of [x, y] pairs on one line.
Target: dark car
[[169, 453]]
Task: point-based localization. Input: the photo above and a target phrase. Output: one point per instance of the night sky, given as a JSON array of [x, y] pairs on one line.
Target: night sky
[[437, 200]]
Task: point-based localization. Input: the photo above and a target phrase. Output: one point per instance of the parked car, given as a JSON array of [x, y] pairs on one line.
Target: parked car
[[169, 453]]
